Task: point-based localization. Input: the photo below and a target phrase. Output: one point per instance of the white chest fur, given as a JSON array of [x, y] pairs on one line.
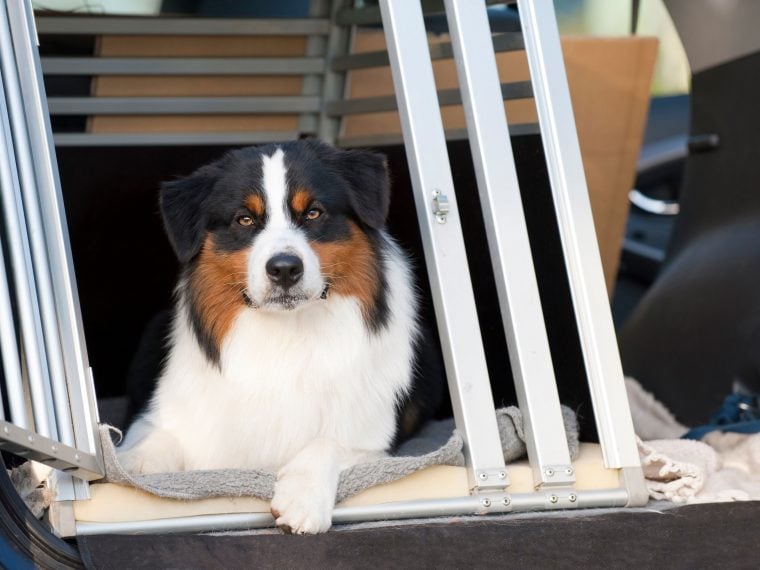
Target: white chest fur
[[287, 379]]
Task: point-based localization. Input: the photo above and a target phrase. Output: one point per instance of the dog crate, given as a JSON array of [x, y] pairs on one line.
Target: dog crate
[[48, 389]]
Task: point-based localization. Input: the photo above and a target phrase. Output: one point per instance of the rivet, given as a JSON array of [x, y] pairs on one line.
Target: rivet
[[483, 475], [506, 501], [569, 471], [486, 503], [554, 498], [502, 475], [549, 472], [573, 497]]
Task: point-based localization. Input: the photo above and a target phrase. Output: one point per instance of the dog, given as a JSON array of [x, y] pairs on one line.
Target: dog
[[295, 344]]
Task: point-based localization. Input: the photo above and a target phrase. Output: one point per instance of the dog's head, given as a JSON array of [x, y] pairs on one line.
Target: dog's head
[[278, 227]]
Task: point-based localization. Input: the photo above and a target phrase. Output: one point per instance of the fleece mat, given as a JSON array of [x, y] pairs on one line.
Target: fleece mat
[[438, 444]]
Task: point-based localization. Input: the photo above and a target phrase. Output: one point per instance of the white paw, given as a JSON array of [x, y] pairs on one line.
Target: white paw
[[301, 505], [140, 461]]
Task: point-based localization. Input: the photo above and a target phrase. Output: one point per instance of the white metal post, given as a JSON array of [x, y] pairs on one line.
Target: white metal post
[[576, 226], [442, 240], [508, 242]]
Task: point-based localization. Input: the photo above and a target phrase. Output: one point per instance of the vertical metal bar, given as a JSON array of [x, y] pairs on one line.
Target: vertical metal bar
[[443, 243], [23, 275], [316, 46], [508, 242], [9, 350], [81, 396], [576, 225], [53, 391], [334, 82]]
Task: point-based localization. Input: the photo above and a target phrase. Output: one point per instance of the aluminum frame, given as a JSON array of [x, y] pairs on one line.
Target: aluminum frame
[[576, 227], [71, 441], [445, 256], [508, 242], [490, 503]]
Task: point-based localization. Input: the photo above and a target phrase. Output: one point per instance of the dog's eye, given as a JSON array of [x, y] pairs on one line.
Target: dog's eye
[[313, 214], [245, 220]]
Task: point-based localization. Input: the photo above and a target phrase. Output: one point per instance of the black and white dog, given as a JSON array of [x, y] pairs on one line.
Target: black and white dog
[[294, 345]]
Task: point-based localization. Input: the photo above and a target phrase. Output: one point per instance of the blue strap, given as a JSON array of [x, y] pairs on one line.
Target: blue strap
[[739, 414]]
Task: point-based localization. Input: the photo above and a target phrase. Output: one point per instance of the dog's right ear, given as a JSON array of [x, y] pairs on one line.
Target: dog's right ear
[[181, 203]]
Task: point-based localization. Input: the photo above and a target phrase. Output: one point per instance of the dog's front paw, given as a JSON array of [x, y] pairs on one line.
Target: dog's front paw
[[138, 463], [301, 505], [158, 453]]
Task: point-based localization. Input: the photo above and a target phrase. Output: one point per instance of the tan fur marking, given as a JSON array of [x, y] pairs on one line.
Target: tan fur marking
[[255, 204], [218, 284], [300, 201], [350, 267]]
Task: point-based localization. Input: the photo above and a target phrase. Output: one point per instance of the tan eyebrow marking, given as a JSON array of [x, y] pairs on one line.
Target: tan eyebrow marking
[[300, 201], [255, 204]]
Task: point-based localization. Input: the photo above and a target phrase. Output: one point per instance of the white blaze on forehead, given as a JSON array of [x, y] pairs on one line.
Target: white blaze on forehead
[[276, 189]]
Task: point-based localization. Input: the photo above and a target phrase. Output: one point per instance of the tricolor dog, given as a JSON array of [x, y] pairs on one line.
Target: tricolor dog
[[294, 345]]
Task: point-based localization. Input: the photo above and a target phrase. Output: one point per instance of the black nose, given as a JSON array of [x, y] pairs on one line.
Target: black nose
[[285, 270]]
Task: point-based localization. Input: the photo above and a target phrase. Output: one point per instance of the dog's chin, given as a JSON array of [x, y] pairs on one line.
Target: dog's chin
[[282, 302]]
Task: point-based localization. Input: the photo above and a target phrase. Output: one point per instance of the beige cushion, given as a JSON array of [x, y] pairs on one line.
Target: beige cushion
[[116, 503]]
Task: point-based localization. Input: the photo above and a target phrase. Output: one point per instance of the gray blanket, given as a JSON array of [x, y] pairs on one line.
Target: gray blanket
[[437, 444]]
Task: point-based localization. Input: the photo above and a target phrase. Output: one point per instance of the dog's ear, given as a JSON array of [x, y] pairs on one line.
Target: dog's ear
[[367, 176], [182, 209]]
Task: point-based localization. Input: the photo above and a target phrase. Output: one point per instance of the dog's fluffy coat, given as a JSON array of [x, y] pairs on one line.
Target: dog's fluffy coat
[[306, 379]]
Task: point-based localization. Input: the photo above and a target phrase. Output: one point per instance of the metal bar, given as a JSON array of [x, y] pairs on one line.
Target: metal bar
[[312, 85], [516, 90], [181, 105], [371, 14], [460, 506], [172, 139], [334, 83], [508, 243], [451, 135], [182, 66], [12, 379], [443, 244], [30, 445], [19, 242], [508, 41], [576, 225], [56, 388], [89, 25], [82, 403]]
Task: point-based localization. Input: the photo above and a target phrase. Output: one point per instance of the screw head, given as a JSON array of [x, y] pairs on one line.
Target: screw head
[[6, 430], [77, 456], [573, 497], [440, 218], [506, 501], [54, 448], [549, 472], [554, 498], [483, 476], [486, 503], [30, 438], [569, 471], [502, 475]]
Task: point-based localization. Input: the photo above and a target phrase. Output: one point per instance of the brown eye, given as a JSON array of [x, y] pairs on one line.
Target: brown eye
[[245, 220], [313, 214]]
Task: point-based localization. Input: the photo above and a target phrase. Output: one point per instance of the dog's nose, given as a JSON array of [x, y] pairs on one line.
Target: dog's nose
[[285, 270]]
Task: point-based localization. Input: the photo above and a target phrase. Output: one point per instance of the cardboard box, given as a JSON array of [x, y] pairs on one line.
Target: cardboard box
[[609, 82]]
